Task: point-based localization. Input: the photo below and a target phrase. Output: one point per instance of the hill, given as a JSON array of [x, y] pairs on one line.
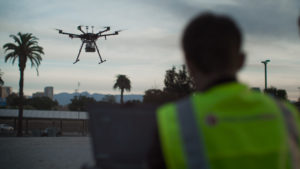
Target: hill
[[65, 98]]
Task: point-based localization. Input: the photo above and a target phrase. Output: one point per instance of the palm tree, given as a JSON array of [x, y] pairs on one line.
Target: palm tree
[[1, 80], [123, 83], [25, 48]]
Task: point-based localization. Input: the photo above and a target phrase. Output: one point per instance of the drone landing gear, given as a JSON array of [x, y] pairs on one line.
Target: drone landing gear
[[101, 61], [77, 59]]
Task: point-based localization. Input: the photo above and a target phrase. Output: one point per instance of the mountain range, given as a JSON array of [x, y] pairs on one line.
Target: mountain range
[[65, 98]]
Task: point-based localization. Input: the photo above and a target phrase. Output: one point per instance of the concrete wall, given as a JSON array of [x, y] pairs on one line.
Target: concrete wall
[[67, 127]]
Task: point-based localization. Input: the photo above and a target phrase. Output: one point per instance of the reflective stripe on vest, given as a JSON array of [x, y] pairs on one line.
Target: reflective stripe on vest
[[193, 143], [292, 133]]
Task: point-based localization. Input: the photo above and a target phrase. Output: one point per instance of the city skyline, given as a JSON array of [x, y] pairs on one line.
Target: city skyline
[[150, 44]]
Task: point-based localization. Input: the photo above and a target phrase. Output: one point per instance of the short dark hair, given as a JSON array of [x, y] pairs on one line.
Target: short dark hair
[[211, 42]]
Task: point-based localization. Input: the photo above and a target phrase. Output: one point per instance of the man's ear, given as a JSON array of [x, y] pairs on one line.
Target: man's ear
[[241, 60], [190, 66]]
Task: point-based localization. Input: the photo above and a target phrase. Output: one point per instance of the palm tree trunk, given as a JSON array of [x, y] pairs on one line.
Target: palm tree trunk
[[122, 91], [21, 95]]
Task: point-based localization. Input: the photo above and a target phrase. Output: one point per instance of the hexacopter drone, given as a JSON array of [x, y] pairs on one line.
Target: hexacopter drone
[[89, 39]]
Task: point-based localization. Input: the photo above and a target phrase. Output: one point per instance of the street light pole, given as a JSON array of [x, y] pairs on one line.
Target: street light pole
[[265, 64]]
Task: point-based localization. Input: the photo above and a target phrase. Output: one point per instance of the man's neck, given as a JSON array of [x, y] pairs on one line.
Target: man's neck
[[204, 84]]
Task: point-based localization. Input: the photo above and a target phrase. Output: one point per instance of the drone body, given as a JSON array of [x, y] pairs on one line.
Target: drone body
[[89, 39]]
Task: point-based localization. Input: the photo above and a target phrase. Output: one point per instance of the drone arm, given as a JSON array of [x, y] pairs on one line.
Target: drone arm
[[71, 35], [116, 33], [100, 32], [105, 35]]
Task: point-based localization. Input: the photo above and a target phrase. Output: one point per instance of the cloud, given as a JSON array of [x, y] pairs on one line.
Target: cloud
[[151, 43]]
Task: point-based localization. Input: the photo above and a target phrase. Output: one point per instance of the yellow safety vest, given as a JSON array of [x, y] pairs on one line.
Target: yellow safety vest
[[227, 127]]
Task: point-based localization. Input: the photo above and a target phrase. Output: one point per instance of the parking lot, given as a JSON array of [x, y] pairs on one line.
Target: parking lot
[[45, 152]]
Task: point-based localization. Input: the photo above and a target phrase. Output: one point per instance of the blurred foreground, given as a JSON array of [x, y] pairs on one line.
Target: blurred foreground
[[45, 152]]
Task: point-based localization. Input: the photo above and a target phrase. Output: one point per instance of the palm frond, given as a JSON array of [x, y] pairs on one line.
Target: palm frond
[[16, 39], [35, 60], [122, 82], [9, 46], [31, 43], [37, 49], [14, 59], [10, 55], [1, 81], [25, 48]]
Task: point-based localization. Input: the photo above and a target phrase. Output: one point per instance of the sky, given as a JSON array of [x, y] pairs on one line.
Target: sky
[[150, 43]]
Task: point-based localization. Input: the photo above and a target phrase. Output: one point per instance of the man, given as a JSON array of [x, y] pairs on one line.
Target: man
[[224, 124]]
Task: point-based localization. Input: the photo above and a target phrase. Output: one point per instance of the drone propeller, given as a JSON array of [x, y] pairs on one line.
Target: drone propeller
[[79, 26], [116, 32], [59, 30], [107, 27]]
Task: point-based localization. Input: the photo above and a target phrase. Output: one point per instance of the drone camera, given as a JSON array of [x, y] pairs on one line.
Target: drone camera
[[89, 47]]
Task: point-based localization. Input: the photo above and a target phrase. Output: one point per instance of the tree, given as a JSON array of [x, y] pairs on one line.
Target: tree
[[123, 83], [13, 100], [154, 96], [109, 99], [178, 84], [25, 48], [1, 80], [278, 93], [281, 93], [80, 103], [133, 102], [42, 103]]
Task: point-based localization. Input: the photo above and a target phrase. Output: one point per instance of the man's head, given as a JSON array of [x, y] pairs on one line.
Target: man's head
[[212, 45]]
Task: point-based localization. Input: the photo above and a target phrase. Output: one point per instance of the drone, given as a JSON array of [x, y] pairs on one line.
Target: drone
[[89, 39]]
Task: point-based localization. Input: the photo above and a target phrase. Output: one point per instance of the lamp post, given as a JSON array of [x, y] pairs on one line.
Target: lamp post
[[265, 64]]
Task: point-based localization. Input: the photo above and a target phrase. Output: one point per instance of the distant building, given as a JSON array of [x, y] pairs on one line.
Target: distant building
[[38, 94], [5, 91], [48, 92]]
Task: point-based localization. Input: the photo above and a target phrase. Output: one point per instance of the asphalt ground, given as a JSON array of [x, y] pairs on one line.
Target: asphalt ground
[[45, 152]]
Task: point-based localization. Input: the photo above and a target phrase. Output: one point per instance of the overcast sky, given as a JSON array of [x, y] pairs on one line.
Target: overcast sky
[[151, 43]]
